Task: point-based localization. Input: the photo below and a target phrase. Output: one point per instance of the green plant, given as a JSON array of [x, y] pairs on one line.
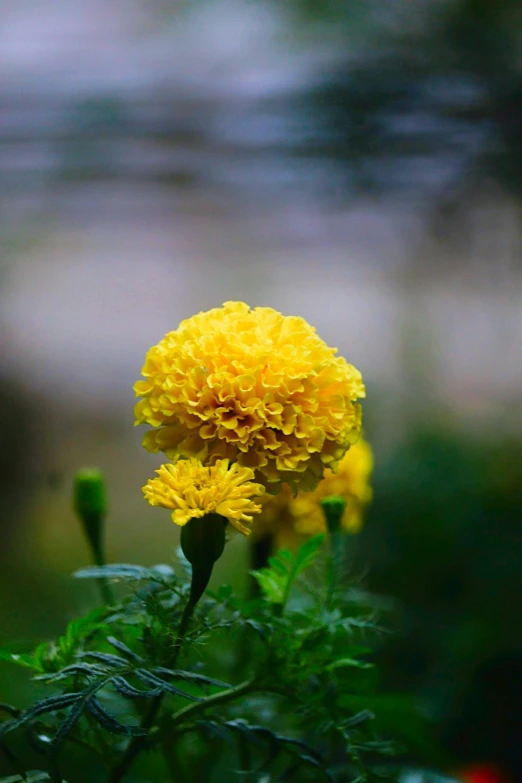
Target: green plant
[[279, 687]]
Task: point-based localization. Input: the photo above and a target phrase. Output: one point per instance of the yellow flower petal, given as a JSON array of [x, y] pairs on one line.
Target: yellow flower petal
[[288, 517], [191, 489], [255, 387]]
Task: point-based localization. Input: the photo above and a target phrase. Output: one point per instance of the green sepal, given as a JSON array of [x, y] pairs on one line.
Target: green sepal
[[202, 542], [333, 508]]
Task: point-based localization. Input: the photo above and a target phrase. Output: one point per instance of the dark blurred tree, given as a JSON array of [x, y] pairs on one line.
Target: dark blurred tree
[[430, 104], [444, 537]]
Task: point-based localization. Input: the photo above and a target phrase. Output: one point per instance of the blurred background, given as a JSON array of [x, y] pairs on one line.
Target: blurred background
[[356, 163]]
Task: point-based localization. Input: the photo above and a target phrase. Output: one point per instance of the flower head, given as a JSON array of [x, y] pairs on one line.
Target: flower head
[[252, 386], [192, 490], [287, 517]]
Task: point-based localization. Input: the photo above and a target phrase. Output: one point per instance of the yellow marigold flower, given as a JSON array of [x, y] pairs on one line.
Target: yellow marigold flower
[[252, 386], [287, 517], [191, 489]]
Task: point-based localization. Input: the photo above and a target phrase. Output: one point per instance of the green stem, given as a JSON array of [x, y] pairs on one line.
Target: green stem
[[336, 556], [139, 743], [188, 712], [54, 771], [106, 592], [202, 541], [245, 758]]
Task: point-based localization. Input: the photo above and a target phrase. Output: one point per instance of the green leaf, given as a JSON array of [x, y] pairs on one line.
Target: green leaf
[[48, 656], [124, 649], [20, 659], [130, 692], [68, 724], [198, 679], [349, 662], [283, 569], [9, 709], [107, 658], [89, 669], [150, 679], [51, 704], [277, 744], [110, 723], [397, 715], [128, 573]]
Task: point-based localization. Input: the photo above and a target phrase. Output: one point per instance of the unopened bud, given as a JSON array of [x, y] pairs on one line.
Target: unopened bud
[[90, 503], [333, 509]]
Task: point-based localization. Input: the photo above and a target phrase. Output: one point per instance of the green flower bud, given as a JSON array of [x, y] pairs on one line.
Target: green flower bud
[[202, 541], [90, 497], [90, 503], [333, 510]]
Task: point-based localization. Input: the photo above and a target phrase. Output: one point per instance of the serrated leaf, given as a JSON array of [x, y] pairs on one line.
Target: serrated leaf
[[356, 720], [397, 714], [20, 659], [89, 669], [150, 679], [354, 663], [276, 742], [68, 724], [109, 722], [127, 573], [130, 692], [124, 649], [79, 628], [9, 709], [198, 679], [261, 629], [300, 746], [107, 658], [284, 568], [215, 729], [51, 704]]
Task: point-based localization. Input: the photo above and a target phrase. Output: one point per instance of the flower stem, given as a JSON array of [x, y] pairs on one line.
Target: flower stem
[[336, 557], [188, 712], [202, 557], [105, 589], [139, 743]]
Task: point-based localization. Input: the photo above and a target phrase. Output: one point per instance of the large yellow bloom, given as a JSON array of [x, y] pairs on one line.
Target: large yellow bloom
[[252, 386], [288, 517], [193, 490]]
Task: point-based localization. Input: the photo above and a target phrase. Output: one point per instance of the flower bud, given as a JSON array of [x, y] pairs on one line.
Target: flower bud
[[333, 509], [202, 541], [90, 503]]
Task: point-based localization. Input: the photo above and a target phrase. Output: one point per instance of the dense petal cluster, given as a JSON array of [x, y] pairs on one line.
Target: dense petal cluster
[[191, 489], [252, 386], [287, 517]]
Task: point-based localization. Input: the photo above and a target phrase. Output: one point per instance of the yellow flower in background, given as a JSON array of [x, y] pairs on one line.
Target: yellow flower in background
[[288, 517], [254, 387], [193, 490], [351, 482]]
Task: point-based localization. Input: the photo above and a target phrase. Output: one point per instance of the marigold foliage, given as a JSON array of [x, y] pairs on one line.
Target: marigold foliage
[[287, 517], [252, 386], [191, 489]]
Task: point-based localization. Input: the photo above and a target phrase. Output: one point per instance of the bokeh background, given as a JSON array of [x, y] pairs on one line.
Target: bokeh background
[[356, 163]]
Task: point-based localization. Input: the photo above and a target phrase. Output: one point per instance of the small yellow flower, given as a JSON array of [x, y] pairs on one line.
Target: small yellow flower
[[254, 387], [193, 490], [287, 517]]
